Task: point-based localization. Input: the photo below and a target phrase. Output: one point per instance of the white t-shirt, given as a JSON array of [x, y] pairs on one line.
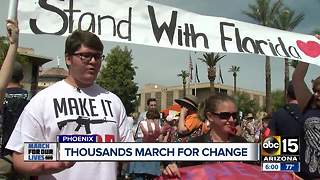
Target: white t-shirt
[[137, 130], [142, 117], [61, 101], [145, 126]]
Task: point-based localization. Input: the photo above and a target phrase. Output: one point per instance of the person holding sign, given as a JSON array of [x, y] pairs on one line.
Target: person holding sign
[[221, 111], [75, 105], [309, 104], [7, 65], [6, 169]]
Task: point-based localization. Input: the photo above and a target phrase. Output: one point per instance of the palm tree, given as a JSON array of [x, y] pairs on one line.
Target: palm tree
[[264, 12], [234, 69], [287, 20], [184, 74], [211, 60]]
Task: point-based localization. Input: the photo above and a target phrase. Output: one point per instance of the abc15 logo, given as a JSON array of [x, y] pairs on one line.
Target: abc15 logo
[[277, 145]]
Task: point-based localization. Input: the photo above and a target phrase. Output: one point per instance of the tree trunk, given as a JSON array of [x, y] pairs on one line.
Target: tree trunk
[[184, 89], [286, 78], [212, 77], [268, 85], [234, 83], [212, 89]]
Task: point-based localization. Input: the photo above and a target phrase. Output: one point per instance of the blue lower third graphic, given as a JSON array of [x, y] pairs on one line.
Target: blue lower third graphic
[[77, 138], [293, 167]]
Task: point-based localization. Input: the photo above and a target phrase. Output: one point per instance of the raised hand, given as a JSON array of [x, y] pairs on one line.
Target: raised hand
[[171, 171], [13, 31]]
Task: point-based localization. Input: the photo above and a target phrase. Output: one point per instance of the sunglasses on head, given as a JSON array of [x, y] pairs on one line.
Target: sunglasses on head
[[227, 115]]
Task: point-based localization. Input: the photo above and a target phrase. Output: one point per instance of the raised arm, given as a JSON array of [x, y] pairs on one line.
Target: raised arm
[[7, 66], [301, 90], [303, 94], [181, 124]]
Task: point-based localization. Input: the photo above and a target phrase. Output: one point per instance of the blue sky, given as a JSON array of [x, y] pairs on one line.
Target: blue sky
[[161, 65]]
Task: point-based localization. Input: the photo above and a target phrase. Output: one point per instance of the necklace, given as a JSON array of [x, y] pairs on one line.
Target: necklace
[[73, 84]]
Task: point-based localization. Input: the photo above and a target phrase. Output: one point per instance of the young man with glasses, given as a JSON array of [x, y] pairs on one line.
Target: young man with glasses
[[76, 97]]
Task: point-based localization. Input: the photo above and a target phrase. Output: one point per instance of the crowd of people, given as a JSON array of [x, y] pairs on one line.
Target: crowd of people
[[78, 96]]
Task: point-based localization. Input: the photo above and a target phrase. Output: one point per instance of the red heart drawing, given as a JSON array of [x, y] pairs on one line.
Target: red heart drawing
[[311, 48]]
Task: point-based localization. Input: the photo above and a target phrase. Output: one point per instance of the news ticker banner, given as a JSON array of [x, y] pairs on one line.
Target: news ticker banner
[[147, 23], [86, 148]]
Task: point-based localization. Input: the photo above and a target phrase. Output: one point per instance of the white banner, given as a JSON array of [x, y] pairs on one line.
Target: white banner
[[159, 152], [141, 22]]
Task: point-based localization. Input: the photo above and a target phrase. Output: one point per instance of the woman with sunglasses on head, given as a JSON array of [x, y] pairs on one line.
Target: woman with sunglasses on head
[[221, 111]]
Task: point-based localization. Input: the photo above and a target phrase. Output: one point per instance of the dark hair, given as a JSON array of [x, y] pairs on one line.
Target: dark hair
[[290, 91], [315, 83], [17, 73], [153, 114], [211, 103], [151, 99], [78, 37]]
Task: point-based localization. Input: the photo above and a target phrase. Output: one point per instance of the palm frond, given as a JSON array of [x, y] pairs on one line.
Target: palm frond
[[211, 59], [234, 69], [287, 20], [263, 11]]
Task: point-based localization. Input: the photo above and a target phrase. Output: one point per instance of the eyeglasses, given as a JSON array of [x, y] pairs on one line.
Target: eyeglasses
[[86, 57], [227, 115]]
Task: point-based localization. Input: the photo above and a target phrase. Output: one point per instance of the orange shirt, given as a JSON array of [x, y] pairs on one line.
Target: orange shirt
[[193, 122]]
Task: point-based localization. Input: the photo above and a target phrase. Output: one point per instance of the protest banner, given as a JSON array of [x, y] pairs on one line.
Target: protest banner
[[152, 24], [12, 11]]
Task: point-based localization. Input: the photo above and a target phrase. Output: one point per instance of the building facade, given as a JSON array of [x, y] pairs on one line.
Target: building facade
[[165, 95], [31, 69], [48, 77]]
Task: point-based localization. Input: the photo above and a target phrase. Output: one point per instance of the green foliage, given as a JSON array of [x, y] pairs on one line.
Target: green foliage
[[234, 69], [184, 74], [245, 104], [287, 19], [211, 59], [277, 99], [117, 76], [4, 46], [264, 12]]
